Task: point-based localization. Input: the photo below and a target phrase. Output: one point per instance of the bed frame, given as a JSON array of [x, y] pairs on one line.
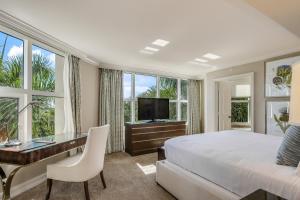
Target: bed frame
[[185, 185]]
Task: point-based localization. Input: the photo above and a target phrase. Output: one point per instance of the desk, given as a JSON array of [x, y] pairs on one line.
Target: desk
[[31, 152]]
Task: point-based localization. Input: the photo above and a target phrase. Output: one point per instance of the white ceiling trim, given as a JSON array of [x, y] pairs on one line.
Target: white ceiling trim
[[148, 71], [24, 28], [262, 58]]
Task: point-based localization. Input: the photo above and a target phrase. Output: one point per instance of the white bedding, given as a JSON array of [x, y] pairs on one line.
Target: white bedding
[[238, 161]]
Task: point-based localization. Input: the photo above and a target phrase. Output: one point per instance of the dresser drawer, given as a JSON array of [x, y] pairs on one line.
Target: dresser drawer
[[157, 128], [157, 135]]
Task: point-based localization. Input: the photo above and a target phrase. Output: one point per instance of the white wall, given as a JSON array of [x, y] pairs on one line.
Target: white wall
[[259, 100]]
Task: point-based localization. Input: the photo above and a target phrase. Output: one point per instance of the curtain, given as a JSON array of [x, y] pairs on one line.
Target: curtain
[[69, 126], [111, 108], [194, 99], [75, 92]]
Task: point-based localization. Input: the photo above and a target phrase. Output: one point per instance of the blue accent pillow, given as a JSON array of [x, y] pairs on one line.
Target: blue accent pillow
[[289, 150]]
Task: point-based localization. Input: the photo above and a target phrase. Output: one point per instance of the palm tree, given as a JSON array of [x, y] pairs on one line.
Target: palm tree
[[168, 89], [43, 79]]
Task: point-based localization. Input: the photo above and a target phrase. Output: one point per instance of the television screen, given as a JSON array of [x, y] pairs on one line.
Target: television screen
[[153, 108]]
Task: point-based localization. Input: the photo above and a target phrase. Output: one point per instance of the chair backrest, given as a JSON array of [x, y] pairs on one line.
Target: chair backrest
[[93, 155]]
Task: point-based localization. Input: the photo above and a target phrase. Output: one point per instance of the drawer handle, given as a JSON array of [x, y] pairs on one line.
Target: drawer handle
[[73, 142]]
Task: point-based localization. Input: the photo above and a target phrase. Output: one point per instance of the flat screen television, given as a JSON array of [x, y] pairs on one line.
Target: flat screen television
[[153, 109]]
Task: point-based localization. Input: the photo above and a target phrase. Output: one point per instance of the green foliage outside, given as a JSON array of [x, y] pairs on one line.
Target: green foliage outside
[[43, 79], [8, 113], [168, 89], [239, 112], [127, 111]]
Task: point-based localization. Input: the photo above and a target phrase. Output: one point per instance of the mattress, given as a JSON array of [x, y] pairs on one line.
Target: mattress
[[239, 161]]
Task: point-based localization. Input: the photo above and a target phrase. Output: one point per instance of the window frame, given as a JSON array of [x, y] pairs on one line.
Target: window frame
[[178, 100], [26, 92]]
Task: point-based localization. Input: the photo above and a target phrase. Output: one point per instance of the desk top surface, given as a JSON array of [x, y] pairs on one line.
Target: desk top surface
[[38, 142], [33, 151]]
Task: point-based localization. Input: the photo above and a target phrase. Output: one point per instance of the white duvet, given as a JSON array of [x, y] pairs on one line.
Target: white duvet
[[238, 161]]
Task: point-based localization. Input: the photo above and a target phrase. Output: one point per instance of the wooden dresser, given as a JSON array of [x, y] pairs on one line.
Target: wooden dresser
[[142, 138]]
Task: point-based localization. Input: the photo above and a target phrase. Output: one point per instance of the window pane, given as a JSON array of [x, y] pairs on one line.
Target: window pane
[[173, 111], [183, 89], [183, 111], [43, 69], [11, 61], [241, 91], [126, 86], [239, 110], [8, 117], [145, 86], [127, 111], [168, 88], [136, 110], [43, 116]]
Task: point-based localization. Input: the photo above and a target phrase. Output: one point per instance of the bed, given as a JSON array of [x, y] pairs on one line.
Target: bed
[[225, 165]]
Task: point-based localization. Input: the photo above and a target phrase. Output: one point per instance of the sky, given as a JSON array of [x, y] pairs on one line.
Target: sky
[[142, 84], [14, 47]]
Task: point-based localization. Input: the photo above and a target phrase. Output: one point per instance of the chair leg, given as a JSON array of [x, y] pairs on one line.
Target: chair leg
[[86, 190], [49, 187], [102, 179]]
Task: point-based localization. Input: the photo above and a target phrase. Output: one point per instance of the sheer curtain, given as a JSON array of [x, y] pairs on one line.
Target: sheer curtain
[[195, 106], [111, 110], [72, 97]]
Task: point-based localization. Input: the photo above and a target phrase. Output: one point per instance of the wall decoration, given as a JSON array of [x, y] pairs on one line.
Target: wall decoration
[[278, 77], [277, 117]]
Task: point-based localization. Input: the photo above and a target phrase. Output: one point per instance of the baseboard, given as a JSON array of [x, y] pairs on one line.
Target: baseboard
[[27, 185]]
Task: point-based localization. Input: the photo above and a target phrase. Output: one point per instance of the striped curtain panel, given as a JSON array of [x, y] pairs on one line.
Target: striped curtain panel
[[194, 106], [74, 78], [111, 108]]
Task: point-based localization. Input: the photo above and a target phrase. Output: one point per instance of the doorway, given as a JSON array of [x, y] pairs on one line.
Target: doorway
[[235, 102]]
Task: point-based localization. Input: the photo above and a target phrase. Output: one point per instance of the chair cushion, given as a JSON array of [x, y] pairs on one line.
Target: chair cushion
[[69, 160], [289, 150], [63, 171]]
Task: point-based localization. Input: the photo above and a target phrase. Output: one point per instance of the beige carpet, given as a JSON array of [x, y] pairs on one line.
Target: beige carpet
[[124, 178]]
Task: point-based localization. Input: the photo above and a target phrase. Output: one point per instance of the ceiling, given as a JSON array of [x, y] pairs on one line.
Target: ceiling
[[114, 31], [286, 12]]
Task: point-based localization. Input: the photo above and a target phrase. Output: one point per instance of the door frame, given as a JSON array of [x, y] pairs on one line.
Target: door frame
[[252, 84]]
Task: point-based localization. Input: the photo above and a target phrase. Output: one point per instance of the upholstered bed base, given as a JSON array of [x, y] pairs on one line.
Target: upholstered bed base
[[185, 185]]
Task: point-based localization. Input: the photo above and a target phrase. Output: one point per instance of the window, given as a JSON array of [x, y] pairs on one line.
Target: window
[[240, 110], [30, 71], [168, 88], [183, 90], [183, 109], [11, 61], [8, 118], [141, 85], [43, 69], [145, 86], [43, 116], [183, 100]]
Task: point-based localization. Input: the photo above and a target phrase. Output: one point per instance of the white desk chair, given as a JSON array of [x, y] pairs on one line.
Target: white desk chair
[[82, 167]]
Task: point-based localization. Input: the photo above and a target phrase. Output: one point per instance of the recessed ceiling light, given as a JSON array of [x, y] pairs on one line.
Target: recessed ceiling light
[[151, 49], [200, 60], [146, 52], [211, 56], [160, 42], [201, 64]]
